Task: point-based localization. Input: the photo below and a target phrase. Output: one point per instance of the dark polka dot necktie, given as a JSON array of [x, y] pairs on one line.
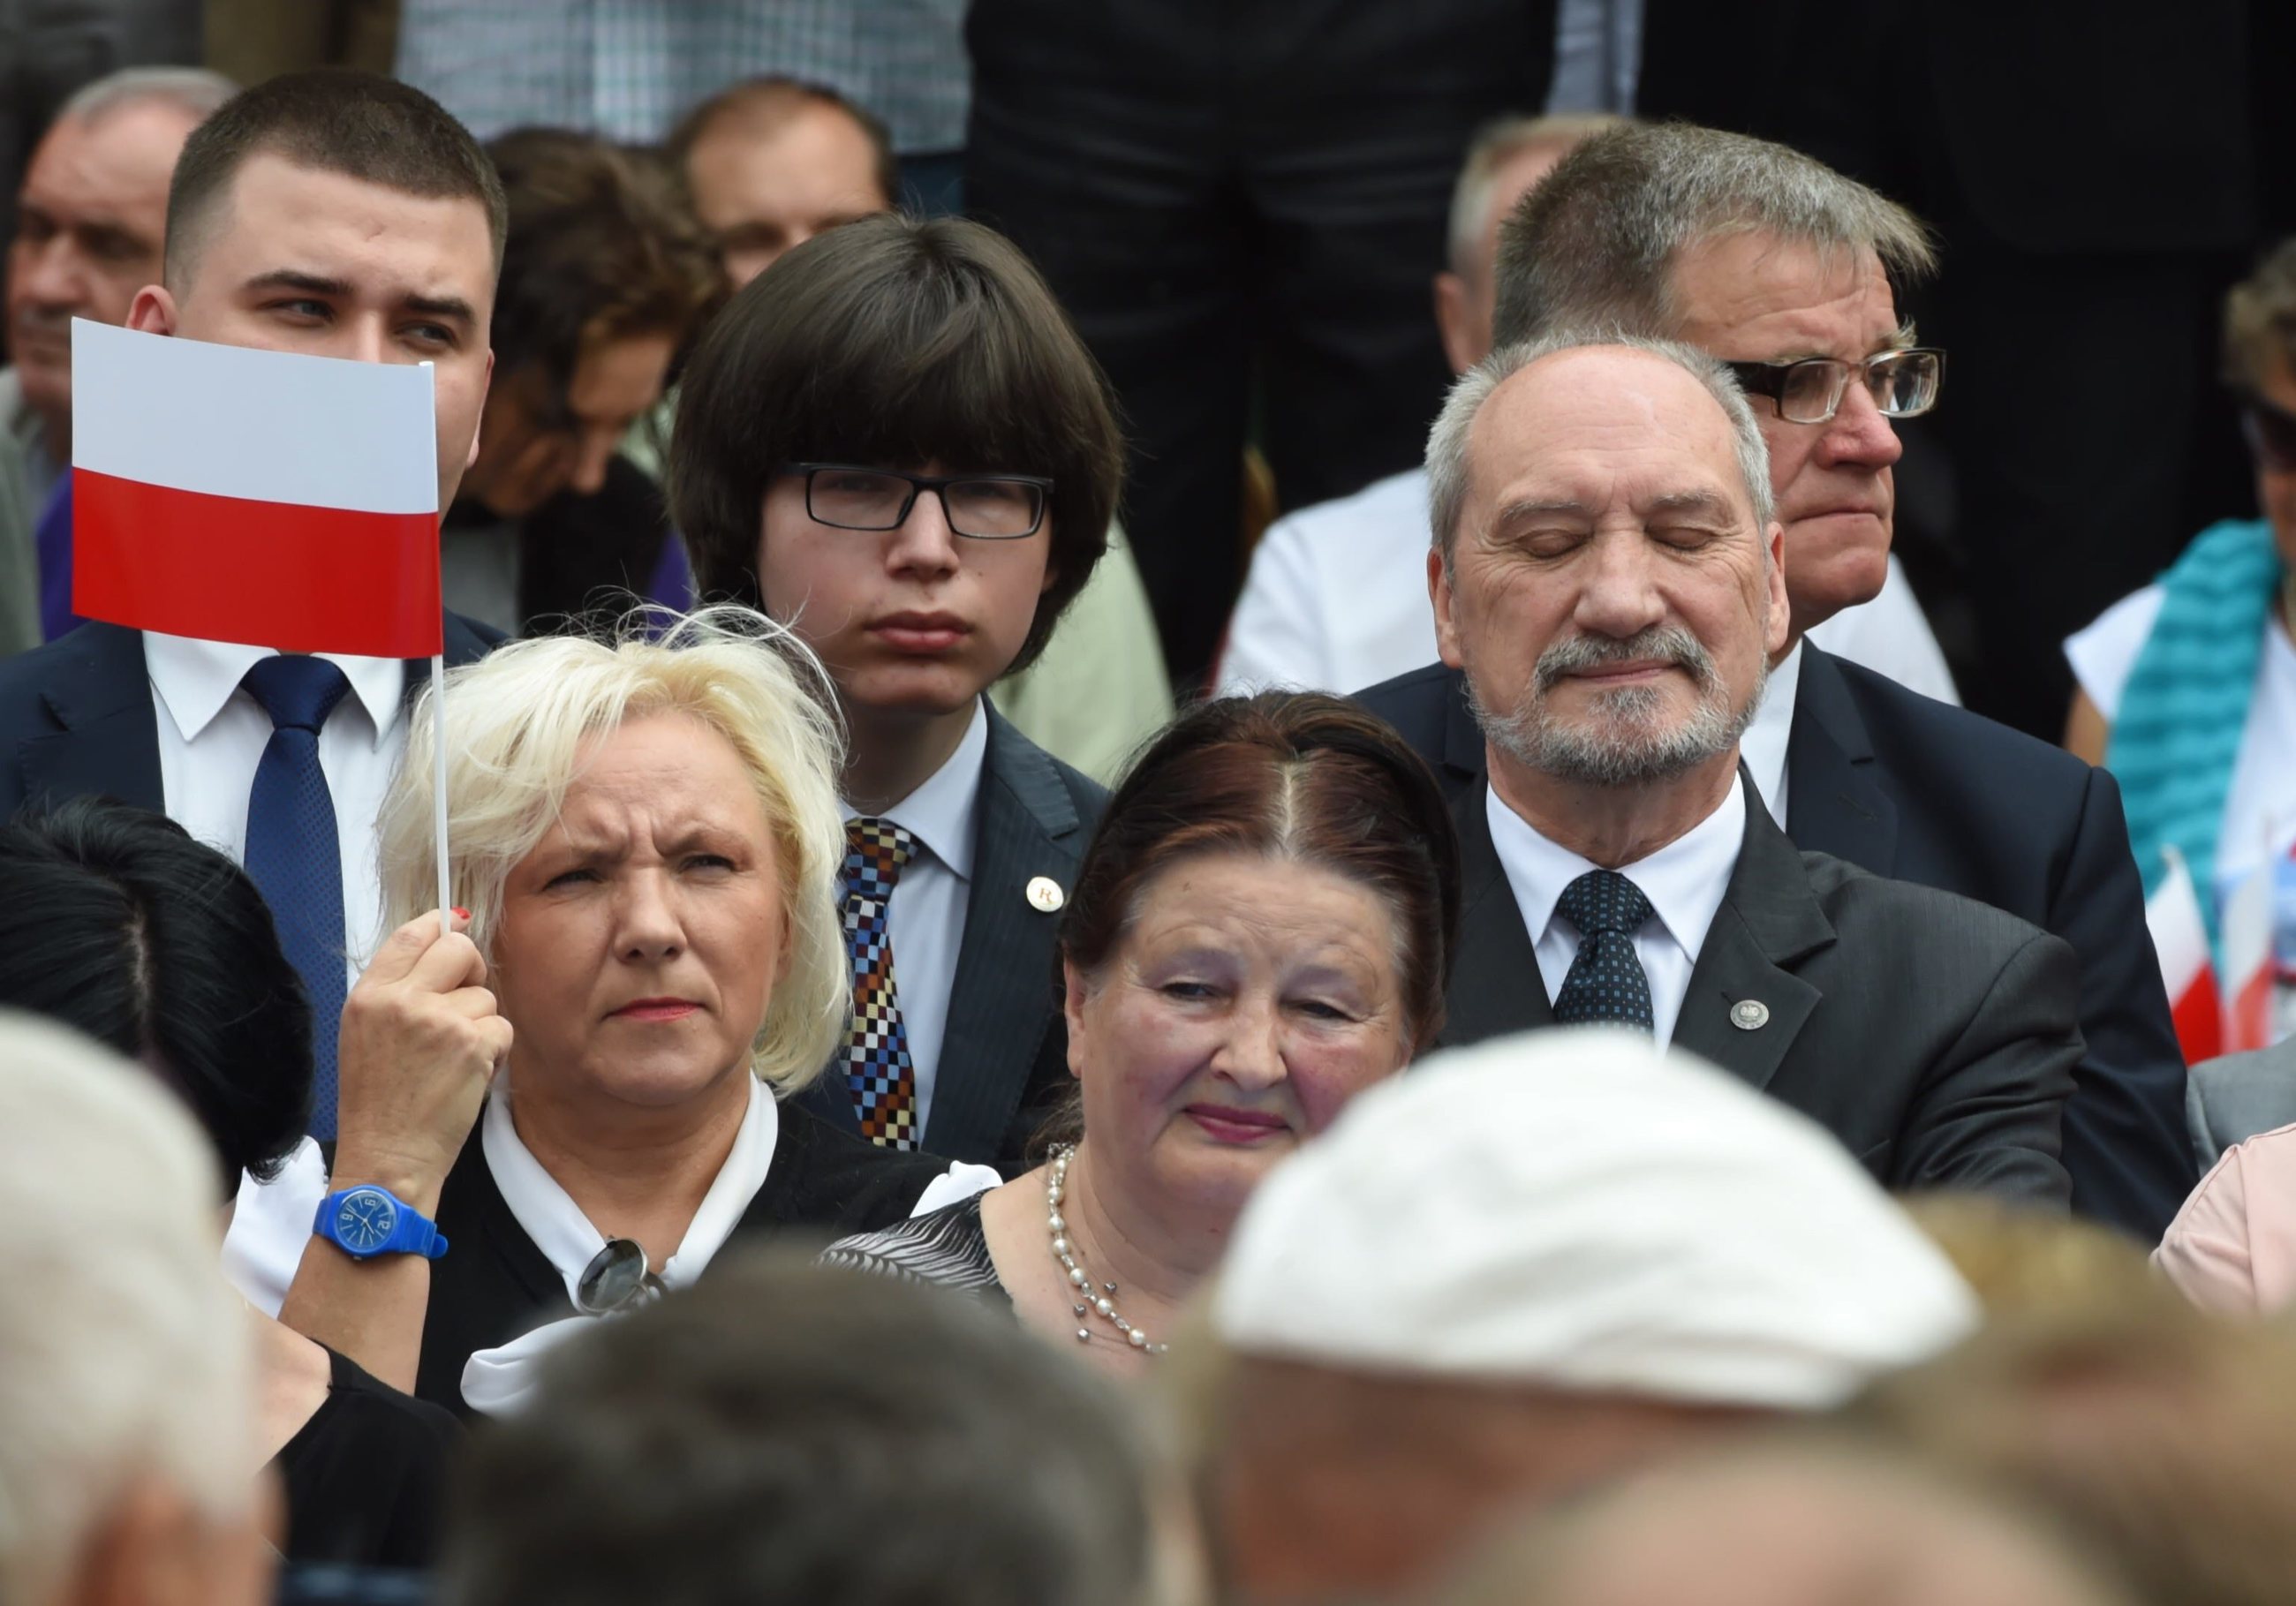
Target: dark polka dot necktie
[[878, 1068], [1605, 982]]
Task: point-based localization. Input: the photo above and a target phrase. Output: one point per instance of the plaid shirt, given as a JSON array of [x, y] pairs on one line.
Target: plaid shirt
[[628, 70]]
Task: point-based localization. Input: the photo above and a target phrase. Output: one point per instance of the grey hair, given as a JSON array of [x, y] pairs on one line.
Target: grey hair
[[194, 90], [1597, 242], [1447, 443], [1496, 143]]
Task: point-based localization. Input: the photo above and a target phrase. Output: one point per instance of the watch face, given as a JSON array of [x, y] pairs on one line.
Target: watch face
[[363, 1220]]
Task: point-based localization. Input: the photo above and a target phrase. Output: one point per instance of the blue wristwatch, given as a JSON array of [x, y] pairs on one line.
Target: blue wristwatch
[[365, 1221]]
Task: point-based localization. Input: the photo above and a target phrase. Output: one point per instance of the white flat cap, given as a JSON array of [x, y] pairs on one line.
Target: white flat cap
[[1585, 1210]]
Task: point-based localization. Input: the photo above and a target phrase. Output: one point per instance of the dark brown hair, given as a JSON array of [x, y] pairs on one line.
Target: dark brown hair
[[601, 246], [361, 124], [895, 341], [768, 103], [1302, 775]]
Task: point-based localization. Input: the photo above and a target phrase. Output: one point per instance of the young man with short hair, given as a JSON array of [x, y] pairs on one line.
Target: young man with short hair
[[335, 214]]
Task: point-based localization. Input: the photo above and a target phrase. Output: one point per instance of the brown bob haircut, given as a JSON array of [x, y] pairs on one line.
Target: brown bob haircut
[[600, 248], [896, 342], [361, 124], [1299, 775]]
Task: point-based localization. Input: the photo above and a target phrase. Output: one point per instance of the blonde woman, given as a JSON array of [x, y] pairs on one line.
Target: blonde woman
[[646, 958]]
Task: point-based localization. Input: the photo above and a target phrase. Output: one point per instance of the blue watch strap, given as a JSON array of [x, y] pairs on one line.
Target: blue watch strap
[[367, 1221]]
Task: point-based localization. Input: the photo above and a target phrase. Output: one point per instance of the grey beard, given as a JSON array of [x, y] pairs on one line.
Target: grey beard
[[1626, 745]]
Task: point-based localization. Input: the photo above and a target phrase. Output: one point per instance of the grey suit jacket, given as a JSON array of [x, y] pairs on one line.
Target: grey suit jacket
[[1933, 1036], [2231, 1100]]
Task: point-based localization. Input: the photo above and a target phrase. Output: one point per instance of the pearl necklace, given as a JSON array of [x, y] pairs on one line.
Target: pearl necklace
[[1102, 1305]]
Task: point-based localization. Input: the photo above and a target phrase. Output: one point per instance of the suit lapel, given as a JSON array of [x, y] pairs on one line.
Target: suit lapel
[[1768, 921], [107, 740], [1833, 802], [1005, 988], [1495, 986]]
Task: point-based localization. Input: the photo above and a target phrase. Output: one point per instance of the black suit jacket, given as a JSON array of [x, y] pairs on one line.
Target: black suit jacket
[[1934, 1036], [77, 718], [1915, 790], [1004, 1055]]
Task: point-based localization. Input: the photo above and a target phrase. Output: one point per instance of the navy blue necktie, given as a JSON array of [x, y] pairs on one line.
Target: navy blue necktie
[[293, 854], [1606, 980]]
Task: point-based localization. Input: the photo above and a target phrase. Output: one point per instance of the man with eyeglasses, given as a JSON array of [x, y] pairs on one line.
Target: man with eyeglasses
[[1784, 268]]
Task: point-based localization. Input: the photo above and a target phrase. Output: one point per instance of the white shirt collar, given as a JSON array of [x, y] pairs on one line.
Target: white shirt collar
[[1685, 881], [1763, 747], [549, 1215], [196, 678], [940, 813]]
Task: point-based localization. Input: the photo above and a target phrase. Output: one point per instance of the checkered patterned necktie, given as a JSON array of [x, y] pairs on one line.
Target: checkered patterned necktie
[[1605, 982], [877, 1065]]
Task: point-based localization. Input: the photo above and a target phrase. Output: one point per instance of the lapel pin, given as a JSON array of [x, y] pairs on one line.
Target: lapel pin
[[1749, 1014], [1045, 893]]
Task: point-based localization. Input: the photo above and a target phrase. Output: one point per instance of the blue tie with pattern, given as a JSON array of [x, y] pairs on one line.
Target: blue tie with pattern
[[1605, 982], [293, 854], [878, 1067]]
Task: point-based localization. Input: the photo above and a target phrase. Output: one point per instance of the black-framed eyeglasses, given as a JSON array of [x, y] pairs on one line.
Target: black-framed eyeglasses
[[617, 1280], [986, 507], [2270, 430], [1903, 383]]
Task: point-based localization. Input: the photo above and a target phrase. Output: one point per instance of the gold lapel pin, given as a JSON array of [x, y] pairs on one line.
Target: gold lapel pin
[[1045, 893]]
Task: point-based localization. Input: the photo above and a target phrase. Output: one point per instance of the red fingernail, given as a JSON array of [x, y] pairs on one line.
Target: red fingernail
[[461, 914]]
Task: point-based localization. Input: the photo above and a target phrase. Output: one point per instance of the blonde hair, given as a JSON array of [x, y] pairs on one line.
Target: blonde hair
[[123, 1354], [516, 721]]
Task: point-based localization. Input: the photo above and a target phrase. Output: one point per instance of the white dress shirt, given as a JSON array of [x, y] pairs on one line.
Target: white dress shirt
[[1684, 880], [1764, 745], [211, 736], [1336, 601], [925, 915]]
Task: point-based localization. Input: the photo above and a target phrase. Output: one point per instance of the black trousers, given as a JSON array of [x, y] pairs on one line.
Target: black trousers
[[1239, 199]]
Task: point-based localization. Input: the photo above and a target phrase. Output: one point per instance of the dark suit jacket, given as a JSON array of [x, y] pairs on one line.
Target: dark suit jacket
[[1004, 1057], [1911, 789], [76, 719], [1934, 1036]]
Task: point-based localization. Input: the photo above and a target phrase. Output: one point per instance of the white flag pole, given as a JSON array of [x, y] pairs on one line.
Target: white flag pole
[[439, 747], [438, 788]]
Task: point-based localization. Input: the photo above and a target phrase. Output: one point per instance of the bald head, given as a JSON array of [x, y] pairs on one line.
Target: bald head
[[1784, 1525]]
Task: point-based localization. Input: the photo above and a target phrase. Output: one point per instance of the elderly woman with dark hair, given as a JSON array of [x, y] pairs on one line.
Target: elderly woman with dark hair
[[114, 922], [2187, 688], [1261, 930]]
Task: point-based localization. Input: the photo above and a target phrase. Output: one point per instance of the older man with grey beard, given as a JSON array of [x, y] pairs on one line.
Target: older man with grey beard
[[1608, 574]]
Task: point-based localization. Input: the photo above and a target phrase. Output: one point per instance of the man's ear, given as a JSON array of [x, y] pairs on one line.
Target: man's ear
[[1455, 321], [1781, 605], [1447, 624], [152, 311]]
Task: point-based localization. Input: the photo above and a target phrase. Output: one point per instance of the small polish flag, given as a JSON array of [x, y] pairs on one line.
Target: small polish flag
[[2181, 938], [263, 497], [2248, 963]]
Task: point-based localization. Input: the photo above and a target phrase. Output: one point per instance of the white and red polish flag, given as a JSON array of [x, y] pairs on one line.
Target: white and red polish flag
[[2248, 963], [2181, 939], [265, 497]]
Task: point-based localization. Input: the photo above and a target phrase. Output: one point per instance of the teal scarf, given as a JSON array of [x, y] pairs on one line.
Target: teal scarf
[[2177, 734]]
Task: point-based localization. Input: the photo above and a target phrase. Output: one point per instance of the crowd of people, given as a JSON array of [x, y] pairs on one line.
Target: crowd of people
[[1101, 946]]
